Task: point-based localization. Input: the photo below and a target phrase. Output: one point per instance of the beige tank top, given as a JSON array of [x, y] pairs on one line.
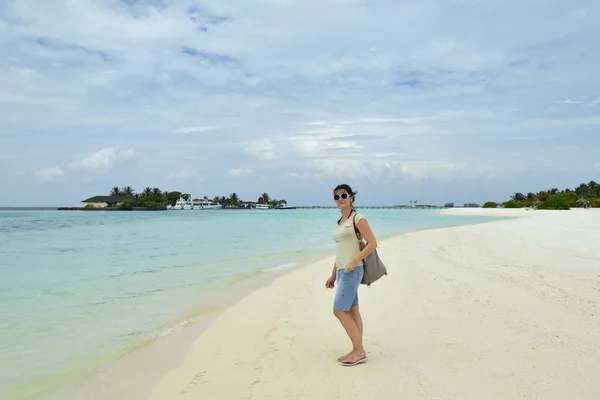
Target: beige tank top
[[346, 242]]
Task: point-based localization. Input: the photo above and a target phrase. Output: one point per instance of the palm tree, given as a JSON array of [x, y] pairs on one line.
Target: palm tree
[[594, 188], [127, 191], [156, 193], [264, 198], [581, 189], [530, 196], [234, 199], [517, 197], [115, 191], [542, 196]]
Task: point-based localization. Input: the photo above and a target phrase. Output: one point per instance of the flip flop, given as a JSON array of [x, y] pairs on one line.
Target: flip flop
[[356, 362]]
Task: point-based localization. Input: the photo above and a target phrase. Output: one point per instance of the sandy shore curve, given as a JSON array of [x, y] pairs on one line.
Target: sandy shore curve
[[507, 309]]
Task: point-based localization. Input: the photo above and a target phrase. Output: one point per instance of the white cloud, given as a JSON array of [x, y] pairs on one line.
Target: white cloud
[[263, 149], [184, 175], [196, 129], [354, 167], [322, 142], [239, 172], [437, 170], [103, 159], [205, 82], [51, 174]]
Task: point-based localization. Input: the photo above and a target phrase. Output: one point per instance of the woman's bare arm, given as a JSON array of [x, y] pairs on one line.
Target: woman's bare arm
[[365, 231]]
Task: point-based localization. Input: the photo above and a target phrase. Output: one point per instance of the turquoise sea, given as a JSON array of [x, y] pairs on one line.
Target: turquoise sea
[[79, 287]]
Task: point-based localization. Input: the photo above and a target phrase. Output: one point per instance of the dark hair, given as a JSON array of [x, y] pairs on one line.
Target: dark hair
[[348, 189]]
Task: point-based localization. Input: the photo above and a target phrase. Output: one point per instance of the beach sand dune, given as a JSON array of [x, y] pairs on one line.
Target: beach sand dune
[[501, 310]]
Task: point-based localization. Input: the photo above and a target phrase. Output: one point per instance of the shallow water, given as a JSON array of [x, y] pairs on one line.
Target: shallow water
[[82, 287]]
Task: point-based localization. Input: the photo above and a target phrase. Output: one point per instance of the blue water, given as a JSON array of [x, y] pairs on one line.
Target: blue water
[[81, 286]]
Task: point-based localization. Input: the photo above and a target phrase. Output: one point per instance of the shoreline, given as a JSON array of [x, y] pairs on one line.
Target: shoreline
[[137, 368], [207, 366], [102, 380], [501, 212], [144, 362], [420, 208]]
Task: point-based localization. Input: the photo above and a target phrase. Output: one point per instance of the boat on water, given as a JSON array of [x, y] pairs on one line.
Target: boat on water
[[196, 204], [181, 204], [204, 204]]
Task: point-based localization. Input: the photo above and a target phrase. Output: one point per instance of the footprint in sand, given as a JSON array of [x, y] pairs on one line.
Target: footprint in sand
[[193, 382]]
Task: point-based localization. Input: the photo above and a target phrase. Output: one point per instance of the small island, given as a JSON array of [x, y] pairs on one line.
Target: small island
[[585, 195], [155, 199]]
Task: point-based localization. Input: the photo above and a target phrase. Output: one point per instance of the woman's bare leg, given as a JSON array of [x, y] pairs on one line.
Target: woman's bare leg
[[356, 317], [355, 312], [352, 323]]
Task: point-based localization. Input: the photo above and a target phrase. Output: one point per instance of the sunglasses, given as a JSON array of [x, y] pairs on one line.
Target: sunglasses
[[343, 196]]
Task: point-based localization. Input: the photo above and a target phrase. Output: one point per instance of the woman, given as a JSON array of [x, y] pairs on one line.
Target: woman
[[348, 271]]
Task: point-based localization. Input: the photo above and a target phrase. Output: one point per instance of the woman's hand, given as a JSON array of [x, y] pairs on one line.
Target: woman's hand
[[330, 283], [350, 267]]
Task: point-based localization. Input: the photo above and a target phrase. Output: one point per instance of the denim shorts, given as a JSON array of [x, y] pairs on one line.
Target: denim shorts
[[346, 295]]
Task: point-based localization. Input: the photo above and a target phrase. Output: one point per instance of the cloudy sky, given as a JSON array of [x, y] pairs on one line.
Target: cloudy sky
[[429, 100]]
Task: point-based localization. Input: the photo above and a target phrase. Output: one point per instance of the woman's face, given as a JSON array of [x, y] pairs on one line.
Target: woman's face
[[342, 198]]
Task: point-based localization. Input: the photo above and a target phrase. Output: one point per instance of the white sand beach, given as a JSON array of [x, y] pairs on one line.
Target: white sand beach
[[501, 310]]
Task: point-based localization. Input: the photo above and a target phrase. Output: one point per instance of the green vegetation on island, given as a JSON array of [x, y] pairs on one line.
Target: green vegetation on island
[[264, 198], [584, 195], [155, 198], [151, 198]]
